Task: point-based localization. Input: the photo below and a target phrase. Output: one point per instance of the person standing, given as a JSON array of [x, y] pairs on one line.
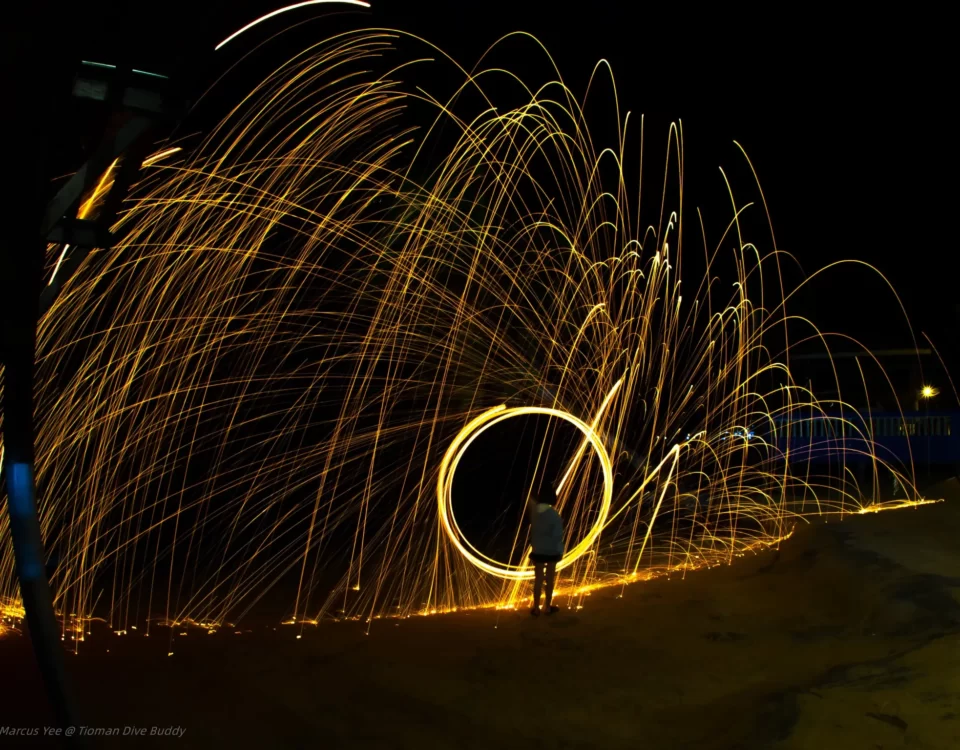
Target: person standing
[[546, 541]]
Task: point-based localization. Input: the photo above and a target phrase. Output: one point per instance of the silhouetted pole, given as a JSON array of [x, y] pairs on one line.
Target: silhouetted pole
[[20, 274], [34, 88]]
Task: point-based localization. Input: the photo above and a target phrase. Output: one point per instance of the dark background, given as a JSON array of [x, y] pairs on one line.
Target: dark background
[[844, 118]]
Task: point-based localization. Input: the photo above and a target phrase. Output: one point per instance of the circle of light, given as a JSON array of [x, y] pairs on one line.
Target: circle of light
[[448, 468]]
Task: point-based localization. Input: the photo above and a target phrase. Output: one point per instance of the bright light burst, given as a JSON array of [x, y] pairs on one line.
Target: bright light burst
[[316, 309]]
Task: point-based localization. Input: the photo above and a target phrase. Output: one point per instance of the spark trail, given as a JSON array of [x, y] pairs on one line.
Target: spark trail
[[313, 304]]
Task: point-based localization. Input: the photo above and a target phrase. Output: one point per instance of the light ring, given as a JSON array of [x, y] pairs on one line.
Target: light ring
[[448, 467]]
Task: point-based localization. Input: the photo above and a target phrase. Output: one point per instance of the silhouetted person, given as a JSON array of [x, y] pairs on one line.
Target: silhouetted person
[[546, 538]]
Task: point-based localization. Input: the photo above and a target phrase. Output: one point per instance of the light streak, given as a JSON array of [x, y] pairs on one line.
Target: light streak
[[285, 9], [583, 446], [99, 192], [315, 311], [104, 184], [154, 158], [448, 468]]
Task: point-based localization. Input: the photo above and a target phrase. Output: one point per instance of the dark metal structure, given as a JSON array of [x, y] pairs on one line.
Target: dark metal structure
[[45, 83]]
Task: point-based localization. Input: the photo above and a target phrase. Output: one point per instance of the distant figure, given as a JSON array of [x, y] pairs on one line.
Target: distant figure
[[546, 538]]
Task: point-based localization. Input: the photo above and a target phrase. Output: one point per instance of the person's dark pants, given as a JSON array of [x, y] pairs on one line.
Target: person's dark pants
[[544, 572]]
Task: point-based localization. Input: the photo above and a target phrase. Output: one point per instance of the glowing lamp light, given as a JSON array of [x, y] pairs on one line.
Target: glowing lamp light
[[928, 391]]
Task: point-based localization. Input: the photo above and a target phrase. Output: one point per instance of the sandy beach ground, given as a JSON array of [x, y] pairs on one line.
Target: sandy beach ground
[[847, 637]]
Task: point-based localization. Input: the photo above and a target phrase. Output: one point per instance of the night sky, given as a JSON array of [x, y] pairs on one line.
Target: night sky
[[844, 118]]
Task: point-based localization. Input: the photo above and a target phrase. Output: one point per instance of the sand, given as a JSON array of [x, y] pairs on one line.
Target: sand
[[846, 637]]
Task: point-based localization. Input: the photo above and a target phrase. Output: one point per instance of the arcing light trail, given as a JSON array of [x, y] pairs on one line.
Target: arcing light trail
[[286, 9], [315, 312], [449, 466]]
